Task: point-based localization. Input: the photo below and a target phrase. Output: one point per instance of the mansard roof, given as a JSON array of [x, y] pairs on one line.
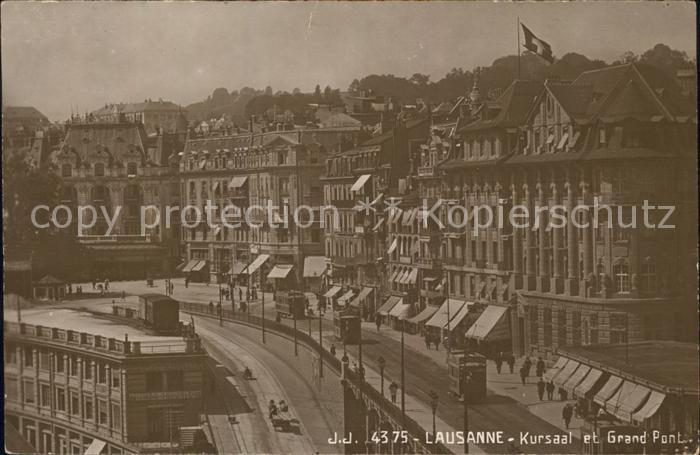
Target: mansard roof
[[511, 107]]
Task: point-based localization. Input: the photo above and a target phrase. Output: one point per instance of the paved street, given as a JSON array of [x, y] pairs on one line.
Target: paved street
[[509, 405]]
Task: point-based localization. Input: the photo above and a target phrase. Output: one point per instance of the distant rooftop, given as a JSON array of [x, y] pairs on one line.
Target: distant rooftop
[[667, 363]]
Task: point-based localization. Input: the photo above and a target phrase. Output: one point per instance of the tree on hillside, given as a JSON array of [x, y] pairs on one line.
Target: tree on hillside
[[296, 91], [327, 93], [354, 86], [317, 92], [420, 79], [268, 91]]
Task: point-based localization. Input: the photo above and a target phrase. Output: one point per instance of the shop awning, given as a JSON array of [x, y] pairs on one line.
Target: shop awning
[[395, 275], [379, 224], [190, 265], [214, 187], [393, 246], [576, 378], [360, 182], [549, 374], [459, 317], [332, 292], [424, 315], [613, 403], [200, 265], [587, 384], [257, 262], [412, 277], [357, 301], [491, 325], [395, 215], [401, 310], [179, 268], [314, 266], [388, 305], [95, 447], [342, 300], [403, 278], [565, 373], [237, 268], [650, 408], [608, 390], [439, 319], [630, 403], [280, 271], [237, 182]]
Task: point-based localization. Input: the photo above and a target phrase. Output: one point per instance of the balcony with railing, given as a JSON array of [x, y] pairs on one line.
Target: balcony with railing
[[114, 239]]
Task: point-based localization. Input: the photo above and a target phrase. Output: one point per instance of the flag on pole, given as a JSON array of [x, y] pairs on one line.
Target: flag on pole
[[536, 45]]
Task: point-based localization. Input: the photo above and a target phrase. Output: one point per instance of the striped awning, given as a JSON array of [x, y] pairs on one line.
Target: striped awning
[[200, 265], [332, 292], [314, 266], [345, 297], [451, 306], [576, 378], [401, 310], [424, 315], [280, 271], [491, 324], [360, 182], [588, 383], [565, 373], [608, 390], [190, 265], [255, 265], [357, 301], [549, 374], [650, 408], [389, 305], [237, 182]]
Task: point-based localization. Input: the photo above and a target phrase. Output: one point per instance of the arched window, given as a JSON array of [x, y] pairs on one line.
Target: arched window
[[99, 170], [66, 170], [648, 276], [131, 169], [622, 279]]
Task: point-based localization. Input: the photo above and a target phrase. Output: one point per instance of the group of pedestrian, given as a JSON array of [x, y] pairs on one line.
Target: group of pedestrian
[[503, 357], [542, 387], [431, 339]]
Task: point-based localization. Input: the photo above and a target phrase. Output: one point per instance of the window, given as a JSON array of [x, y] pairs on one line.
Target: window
[[102, 412], [87, 370], [29, 394], [60, 399], [534, 326], [131, 169], [116, 378], [154, 381], [648, 276], [88, 407], [74, 404], [116, 416], [73, 362], [600, 272], [10, 354], [622, 281], [28, 357], [99, 170], [60, 363], [44, 360], [102, 373], [45, 395], [66, 170]]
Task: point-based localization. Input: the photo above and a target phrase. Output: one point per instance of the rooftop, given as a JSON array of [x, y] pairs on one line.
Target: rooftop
[[85, 322], [667, 363]]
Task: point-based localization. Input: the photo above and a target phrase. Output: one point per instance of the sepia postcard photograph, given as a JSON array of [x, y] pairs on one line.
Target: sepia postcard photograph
[[350, 227]]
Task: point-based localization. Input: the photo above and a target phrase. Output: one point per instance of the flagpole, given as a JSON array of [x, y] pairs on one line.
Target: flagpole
[[518, 47]]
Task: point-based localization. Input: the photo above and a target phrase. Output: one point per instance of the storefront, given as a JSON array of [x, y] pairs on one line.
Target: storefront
[[490, 333]]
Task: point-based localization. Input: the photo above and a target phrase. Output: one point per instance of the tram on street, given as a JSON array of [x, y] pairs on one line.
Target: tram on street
[[467, 373]]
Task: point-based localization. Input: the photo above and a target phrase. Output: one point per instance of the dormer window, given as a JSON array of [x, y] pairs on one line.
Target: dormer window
[[131, 169], [602, 136]]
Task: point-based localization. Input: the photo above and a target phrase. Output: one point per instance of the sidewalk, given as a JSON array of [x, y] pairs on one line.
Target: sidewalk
[[505, 384]]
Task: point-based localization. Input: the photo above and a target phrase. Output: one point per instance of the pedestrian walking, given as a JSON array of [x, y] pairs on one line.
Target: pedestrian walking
[[187, 283], [94, 283], [106, 284], [247, 294], [333, 350], [527, 365], [567, 413], [393, 388], [499, 362], [378, 321], [540, 389], [511, 362], [562, 394], [211, 306], [240, 294], [436, 341], [550, 389], [427, 341], [540, 367], [523, 374]]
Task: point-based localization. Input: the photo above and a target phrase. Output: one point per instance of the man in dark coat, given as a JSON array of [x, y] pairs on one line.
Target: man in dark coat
[[550, 390], [540, 389], [567, 413], [499, 362], [540, 366], [511, 362]]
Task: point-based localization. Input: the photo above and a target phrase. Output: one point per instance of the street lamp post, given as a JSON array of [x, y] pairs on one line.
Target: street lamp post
[[296, 348], [403, 376], [382, 364], [433, 405], [320, 339], [218, 274], [262, 295]]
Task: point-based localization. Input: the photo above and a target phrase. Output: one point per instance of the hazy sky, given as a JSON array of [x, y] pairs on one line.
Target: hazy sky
[[55, 55]]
